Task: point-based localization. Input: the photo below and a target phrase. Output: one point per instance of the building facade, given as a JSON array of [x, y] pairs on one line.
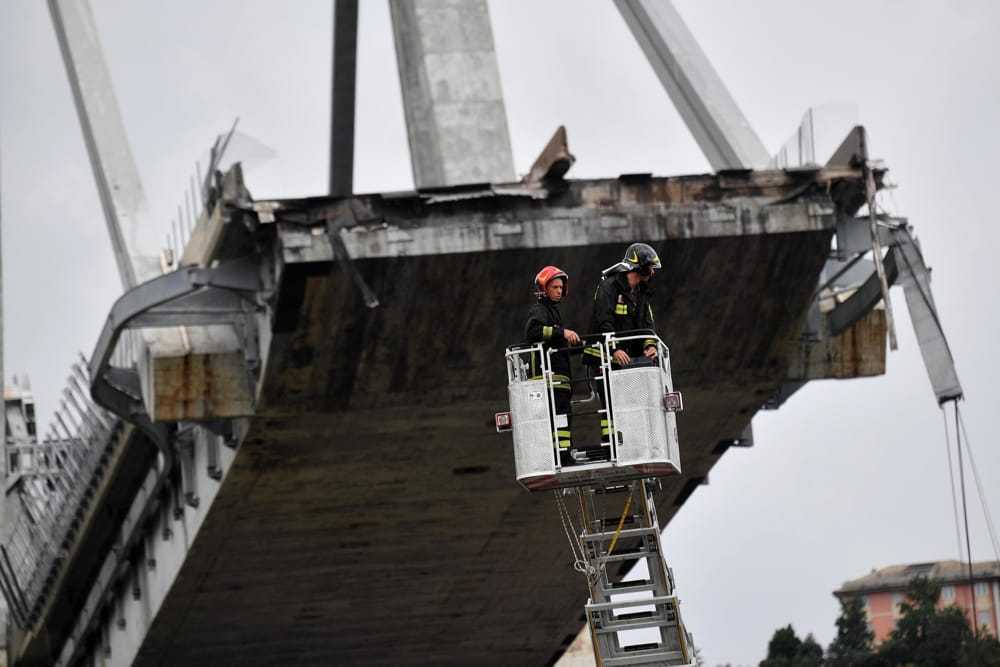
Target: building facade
[[882, 592]]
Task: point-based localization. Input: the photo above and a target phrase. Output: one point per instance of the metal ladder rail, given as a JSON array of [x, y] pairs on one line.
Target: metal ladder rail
[[606, 616]]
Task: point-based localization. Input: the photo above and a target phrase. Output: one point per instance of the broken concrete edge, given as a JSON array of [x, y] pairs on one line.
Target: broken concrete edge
[[197, 373]]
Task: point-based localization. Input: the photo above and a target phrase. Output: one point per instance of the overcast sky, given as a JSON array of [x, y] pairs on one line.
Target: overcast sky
[[847, 476]]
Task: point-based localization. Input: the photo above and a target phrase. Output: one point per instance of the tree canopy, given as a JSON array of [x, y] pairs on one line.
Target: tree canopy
[[924, 636], [853, 645], [786, 650]]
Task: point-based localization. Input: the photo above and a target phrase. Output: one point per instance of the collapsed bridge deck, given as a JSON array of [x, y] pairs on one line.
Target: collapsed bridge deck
[[370, 515]]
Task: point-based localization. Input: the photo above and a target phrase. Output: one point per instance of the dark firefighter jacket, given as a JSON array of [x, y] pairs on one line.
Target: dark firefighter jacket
[[545, 325], [616, 308]]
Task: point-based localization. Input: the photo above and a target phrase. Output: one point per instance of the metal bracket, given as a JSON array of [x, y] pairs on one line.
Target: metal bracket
[[225, 294], [864, 299], [211, 444], [905, 263], [189, 476], [854, 234]]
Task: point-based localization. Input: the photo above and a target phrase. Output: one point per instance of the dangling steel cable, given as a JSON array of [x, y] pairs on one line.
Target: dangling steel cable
[[951, 481], [965, 515], [979, 488]]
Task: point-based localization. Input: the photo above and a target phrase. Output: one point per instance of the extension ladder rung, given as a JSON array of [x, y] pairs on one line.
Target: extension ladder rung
[[607, 491], [641, 620], [612, 522], [654, 601], [624, 534], [626, 554], [660, 657], [628, 587]]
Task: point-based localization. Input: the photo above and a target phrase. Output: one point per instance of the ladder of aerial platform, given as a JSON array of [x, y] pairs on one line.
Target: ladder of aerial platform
[[648, 604], [634, 622]]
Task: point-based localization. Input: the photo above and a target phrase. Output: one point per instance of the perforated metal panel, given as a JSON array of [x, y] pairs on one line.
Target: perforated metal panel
[[532, 428], [647, 431]]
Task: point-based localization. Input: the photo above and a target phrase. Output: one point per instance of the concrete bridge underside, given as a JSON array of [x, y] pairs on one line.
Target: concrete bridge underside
[[371, 515]]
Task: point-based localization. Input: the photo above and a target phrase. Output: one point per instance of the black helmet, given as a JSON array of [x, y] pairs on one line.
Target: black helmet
[[639, 257]]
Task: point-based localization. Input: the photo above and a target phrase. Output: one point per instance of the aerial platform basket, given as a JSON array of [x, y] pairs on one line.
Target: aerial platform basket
[[641, 406]]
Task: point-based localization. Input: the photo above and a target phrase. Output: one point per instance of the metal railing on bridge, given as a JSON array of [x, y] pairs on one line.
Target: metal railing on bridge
[[50, 486]]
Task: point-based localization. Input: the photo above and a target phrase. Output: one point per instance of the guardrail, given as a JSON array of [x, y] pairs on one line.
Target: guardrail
[[50, 487]]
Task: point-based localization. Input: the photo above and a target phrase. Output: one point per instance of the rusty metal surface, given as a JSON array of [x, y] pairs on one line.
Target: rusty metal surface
[[858, 351], [201, 386]]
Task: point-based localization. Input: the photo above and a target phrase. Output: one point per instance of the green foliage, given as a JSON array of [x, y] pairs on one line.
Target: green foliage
[[786, 650], [924, 636], [852, 646], [984, 652]]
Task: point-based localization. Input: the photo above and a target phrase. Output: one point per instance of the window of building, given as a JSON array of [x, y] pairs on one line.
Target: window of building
[[948, 593], [984, 617], [897, 599], [982, 589], [865, 601]]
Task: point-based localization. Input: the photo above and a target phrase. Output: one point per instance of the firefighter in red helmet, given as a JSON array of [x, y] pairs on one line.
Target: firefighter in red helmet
[[545, 325]]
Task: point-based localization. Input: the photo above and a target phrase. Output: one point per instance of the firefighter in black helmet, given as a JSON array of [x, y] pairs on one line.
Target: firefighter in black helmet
[[621, 303], [545, 325]]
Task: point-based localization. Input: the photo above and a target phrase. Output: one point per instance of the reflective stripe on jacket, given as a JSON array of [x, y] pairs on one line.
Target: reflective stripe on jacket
[[545, 326], [617, 308]]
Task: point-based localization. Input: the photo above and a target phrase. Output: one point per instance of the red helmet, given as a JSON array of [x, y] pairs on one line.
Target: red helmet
[[547, 274]]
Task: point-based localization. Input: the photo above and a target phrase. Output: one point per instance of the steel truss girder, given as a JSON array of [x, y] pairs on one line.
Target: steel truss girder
[[225, 294], [905, 263]]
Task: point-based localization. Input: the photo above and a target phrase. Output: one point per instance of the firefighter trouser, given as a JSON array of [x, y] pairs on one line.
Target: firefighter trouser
[[562, 392], [597, 382], [563, 400]]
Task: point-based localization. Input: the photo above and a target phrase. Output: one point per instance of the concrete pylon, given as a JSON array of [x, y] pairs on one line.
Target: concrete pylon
[[455, 116], [704, 102], [133, 237]]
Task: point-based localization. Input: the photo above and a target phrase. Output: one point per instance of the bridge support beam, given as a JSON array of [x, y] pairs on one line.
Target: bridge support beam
[[345, 60], [455, 115], [711, 113]]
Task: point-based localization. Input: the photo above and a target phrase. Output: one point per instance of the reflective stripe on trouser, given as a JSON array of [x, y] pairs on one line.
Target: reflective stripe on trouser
[[563, 391], [564, 438], [559, 382]]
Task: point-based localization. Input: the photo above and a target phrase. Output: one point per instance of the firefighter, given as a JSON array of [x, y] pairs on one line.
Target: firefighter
[[621, 303], [545, 325]]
